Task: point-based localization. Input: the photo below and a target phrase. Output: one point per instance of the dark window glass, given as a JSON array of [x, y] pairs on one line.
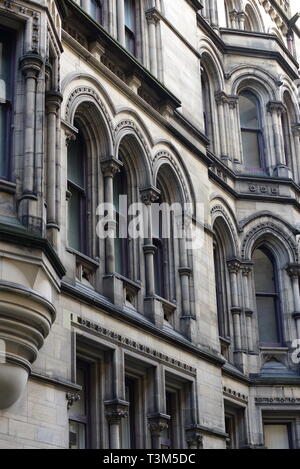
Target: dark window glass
[[130, 25], [6, 68], [79, 412], [128, 424], [267, 298], [77, 226], [120, 207], [251, 131]]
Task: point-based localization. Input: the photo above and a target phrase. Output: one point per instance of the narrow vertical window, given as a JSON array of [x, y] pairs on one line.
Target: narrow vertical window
[[159, 263], [267, 298], [77, 225], [130, 25], [6, 64], [251, 131], [120, 208], [79, 413], [277, 436]]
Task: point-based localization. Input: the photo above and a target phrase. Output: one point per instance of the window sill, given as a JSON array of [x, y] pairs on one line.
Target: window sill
[[83, 258], [273, 349], [7, 186]]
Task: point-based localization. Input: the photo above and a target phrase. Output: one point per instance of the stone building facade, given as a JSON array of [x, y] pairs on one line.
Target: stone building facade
[[149, 343]]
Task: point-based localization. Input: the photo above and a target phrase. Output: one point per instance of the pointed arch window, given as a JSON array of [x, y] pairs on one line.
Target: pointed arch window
[[77, 214], [267, 297], [251, 130]]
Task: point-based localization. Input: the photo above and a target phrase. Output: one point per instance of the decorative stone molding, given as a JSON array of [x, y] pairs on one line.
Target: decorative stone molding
[[158, 424], [131, 125], [247, 268], [83, 92], [135, 346], [115, 411], [234, 394], [71, 398]]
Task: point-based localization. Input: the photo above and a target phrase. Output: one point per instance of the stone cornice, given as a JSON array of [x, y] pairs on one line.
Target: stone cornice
[[98, 302]]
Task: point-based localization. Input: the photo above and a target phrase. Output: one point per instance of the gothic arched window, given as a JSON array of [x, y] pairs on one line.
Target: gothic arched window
[[252, 138], [267, 297]]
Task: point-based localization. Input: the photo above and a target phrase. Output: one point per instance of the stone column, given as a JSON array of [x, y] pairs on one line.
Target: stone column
[[30, 65], [241, 20], [233, 19], [221, 100], [246, 271], [53, 102], [115, 411], [214, 14], [233, 268], [296, 157], [294, 273], [110, 167], [235, 128], [276, 109], [121, 22], [152, 19], [149, 195]]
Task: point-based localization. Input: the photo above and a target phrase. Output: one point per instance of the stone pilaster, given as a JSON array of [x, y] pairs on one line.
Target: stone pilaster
[[276, 109], [153, 19]]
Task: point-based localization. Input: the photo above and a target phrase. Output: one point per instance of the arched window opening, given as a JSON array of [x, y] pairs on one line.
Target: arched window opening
[[252, 138], [120, 209], [6, 96], [220, 293], [161, 253], [77, 213], [267, 297]]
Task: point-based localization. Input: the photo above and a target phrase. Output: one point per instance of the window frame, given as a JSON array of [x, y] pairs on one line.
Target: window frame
[[258, 132], [277, 300], [10, 37], [83, 200]]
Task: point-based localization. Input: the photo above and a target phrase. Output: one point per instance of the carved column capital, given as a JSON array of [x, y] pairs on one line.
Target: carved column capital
[[149, 195], [115, 411], [293, 270], [233, 14], [194, 437], [31, 65], [233, 101], [276, 106], [53, 101], [221, 97], [111, 167], [158, 424], [234, 266], [152, 16]]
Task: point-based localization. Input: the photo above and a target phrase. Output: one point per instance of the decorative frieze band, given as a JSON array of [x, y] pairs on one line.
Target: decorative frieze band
[[132, 344]]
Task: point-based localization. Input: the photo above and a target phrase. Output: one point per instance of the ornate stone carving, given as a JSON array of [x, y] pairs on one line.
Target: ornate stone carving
[[115, 411], [234, 266], [111, 167], [135, 346], [31, 65], [293, 270], [158, 424], [149, 195], [194, 437], [71, 398], [276, 106]]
